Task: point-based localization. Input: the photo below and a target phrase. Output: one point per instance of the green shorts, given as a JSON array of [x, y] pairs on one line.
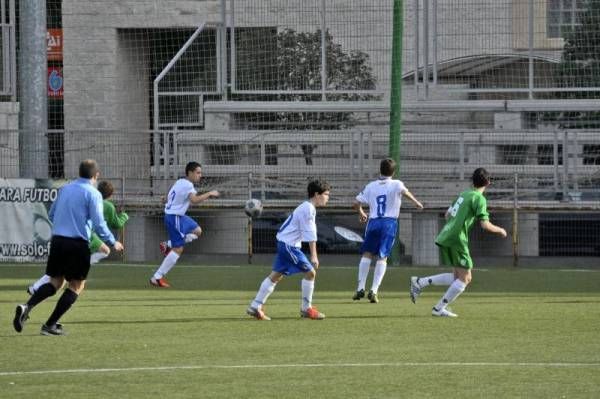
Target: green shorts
[[456, 257], [95, 243]]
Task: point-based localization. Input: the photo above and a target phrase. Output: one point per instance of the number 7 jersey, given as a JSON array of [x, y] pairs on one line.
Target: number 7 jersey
[[384, 197]]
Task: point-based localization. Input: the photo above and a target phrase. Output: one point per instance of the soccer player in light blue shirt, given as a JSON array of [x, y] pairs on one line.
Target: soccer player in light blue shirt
[[77, 210]]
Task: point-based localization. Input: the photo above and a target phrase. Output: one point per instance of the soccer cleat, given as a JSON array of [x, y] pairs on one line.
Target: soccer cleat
[[30, 290], [55, 329], [258, 314], [358, 294], [164, 248], [312, 313], [372, 296], [415, 290], [442, 313], [160, 283], [21, 316]]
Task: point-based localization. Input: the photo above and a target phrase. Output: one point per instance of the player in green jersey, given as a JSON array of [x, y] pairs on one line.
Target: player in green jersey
[[453, 242]]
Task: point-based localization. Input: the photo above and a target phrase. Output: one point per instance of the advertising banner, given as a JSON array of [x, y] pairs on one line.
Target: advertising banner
[[25, 230]]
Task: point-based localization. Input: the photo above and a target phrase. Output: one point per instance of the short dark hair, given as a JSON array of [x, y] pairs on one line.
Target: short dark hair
[[481, 178], [106, 189], [387, 167], [88, 169], [191, 166], [317, 187]]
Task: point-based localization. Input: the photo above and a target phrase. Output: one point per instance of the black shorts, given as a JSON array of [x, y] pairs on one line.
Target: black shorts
[[69, 258]]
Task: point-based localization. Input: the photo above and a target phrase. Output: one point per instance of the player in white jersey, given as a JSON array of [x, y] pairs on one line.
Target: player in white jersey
[[180, 227], [299, 227], [384, 197]]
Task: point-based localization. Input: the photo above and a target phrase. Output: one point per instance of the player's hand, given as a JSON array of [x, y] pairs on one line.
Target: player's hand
[[362, 217], [118, 246], [419, 205], [315, 261], [214, 193], [502, 232]]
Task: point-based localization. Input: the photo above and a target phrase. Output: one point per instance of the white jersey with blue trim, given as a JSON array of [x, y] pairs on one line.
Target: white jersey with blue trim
[[300, 226], [178, 199], [383, 196]]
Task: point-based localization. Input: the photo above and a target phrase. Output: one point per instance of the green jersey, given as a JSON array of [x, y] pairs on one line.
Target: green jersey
[[470, 205], [113, 219]]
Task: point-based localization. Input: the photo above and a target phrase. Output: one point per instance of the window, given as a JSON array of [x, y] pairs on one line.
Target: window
[[591, 154], [563, 16], [545, 154]]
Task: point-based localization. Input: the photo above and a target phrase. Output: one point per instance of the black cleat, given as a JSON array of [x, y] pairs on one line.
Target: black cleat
[[373, 297], [55, 329], [21, 316], [358, 294]]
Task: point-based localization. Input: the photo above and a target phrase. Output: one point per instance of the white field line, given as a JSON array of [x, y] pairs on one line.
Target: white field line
[[306, 365]]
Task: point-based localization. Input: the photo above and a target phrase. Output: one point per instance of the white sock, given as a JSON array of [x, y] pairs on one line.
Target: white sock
[[166, 265], [308, 286], [455, 289], [189, 238], [363, 272], [380, 268], [43, 280], [97, 257], [437, 279], [266, 288]]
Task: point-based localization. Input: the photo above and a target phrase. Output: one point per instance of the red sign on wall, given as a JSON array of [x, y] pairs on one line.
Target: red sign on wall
[[54, 39], [55, 82]]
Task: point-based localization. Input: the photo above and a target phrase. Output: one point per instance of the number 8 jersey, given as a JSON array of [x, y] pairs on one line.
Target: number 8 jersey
[[384, 197]]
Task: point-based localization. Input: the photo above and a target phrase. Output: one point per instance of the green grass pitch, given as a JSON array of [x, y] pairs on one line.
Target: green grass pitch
[[521, 333]]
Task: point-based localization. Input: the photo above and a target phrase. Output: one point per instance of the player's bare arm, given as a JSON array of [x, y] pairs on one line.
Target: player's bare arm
[[492, 228], [411, 197], [314, 259], [362, 216], [197, 198]]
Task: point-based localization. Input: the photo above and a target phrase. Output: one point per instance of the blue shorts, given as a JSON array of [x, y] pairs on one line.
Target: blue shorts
[[177, 227], [380, 237], [290, 260]]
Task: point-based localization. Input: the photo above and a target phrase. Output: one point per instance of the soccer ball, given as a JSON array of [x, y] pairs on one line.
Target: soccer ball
[[253, 208]]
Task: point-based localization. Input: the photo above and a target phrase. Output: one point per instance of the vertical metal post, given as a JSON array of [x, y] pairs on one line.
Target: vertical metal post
[[361, 156], [434, 42], [416, 46], [223, 51], [13, 45], [530, 44], [166, 155], [323, 51], [461, 155], [575, 159], [565, 174], [263, 162], [515, 225], [396, 98], [249, 224], [33, 138], [351, 155], [232, 55], [426, 47], [555, 161], [370, 173]]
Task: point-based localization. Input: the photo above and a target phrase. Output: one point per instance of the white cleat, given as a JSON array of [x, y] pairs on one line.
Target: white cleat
[[442, 313], [415, 289]]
